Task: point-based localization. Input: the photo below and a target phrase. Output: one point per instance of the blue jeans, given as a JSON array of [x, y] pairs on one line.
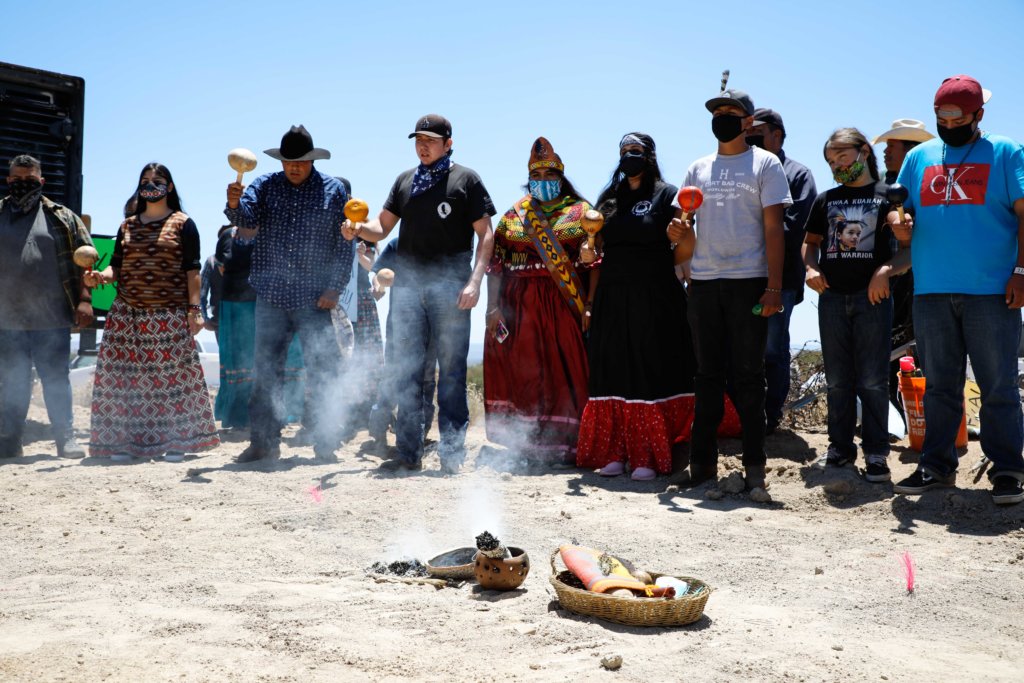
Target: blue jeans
[[50, 351], [729, 342], [855, 349], [951, 327], [427, 316], [776, 359], [322, 358], [382, 413]]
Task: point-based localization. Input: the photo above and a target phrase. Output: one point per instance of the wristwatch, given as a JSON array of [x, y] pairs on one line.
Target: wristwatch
[[1018, 270]]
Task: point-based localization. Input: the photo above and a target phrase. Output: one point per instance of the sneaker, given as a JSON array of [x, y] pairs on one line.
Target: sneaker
[[1007, 490], [877, 469], [69, 448], [920, 481], [833, 458], [694, 476]]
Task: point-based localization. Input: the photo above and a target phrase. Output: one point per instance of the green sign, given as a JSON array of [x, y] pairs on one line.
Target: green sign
[[103, 296]]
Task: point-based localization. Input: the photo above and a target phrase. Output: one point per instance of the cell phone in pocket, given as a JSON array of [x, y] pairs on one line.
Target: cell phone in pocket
[[501, 334]]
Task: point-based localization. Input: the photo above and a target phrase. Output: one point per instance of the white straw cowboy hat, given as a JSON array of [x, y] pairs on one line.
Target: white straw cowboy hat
[[911, 130]]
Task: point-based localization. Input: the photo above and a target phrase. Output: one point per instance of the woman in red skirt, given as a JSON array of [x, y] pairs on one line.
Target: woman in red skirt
[[535, 362], [149, 395]]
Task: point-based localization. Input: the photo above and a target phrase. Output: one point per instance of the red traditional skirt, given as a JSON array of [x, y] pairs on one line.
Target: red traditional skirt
[[535, 382], [149, 395], [641, 433]]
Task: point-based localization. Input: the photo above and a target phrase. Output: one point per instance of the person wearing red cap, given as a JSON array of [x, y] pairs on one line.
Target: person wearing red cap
[[965, 226], [534, 390]]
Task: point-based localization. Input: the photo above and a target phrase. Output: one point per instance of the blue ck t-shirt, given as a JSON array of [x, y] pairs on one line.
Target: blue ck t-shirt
[[965, 230]]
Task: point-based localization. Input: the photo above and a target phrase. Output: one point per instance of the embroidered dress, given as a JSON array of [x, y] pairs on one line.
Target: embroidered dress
[[149, 394], [641, 354], [535, 382]]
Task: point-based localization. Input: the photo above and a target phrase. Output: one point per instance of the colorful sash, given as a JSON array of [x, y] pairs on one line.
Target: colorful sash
[[553, 255]]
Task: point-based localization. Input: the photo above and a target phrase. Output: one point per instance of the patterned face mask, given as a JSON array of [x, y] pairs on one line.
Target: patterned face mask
[[849, 174], [25, 192], [152, 192], [545, 190]]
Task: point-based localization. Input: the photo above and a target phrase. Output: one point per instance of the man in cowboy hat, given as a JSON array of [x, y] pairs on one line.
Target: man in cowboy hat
[[300, 265], [964, 219], [905, 135], [442, 205]]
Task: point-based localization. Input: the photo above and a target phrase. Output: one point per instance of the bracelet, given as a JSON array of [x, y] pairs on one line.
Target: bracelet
[[493, 310], [1018, 270], [195, 307], [773, 291], [589, 304]]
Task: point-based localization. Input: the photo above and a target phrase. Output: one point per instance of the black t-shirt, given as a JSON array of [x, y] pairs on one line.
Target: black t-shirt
[[855, 238], [635, 243], [437, 226]]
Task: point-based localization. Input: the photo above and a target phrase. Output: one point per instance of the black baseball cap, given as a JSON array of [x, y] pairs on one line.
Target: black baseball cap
[[434, 125], [769, 116], [734, 97]]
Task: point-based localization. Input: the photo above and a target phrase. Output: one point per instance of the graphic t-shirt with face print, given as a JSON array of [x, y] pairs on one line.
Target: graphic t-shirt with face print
[[855, 238]]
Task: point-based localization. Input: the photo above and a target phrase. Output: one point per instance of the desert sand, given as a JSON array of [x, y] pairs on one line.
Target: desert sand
[[210, 571]]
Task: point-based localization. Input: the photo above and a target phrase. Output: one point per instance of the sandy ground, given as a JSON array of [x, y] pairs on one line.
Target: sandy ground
[[206, 570]]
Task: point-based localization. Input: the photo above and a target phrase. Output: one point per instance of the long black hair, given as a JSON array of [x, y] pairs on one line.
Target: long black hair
[[137, 205], [618, 185]]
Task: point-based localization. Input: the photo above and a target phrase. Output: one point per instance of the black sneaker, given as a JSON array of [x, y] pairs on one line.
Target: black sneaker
[[1007, 490], [833, 458], [920, 481], [877, 470]]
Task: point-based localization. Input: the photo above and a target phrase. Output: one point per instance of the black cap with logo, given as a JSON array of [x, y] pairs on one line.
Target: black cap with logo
[[433, 125]]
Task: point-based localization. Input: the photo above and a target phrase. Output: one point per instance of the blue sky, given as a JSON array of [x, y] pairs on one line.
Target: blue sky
[[184, 82]]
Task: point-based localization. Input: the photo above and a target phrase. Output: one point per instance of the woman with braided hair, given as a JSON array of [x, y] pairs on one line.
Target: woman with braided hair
[[535, 364]]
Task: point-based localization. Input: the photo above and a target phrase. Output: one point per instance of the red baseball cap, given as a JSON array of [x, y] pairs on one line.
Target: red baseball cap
[[959, 95]]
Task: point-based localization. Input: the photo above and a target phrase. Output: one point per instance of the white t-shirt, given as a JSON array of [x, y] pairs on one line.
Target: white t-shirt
[[730, 223]]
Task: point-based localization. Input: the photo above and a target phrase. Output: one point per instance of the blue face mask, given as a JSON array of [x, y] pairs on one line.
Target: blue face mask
[[545, 190]]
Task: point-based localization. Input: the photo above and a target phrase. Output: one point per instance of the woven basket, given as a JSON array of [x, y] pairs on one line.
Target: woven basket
[[630, 611]]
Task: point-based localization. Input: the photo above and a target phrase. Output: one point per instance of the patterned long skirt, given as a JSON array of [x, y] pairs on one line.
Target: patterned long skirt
[[238, 368], [535, 382], [149, 395]]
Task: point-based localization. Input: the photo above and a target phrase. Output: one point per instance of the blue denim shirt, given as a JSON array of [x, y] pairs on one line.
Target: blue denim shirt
[[299, 251]]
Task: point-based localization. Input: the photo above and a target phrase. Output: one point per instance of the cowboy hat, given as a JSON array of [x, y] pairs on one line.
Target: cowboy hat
[[911, 130], [297, 145]]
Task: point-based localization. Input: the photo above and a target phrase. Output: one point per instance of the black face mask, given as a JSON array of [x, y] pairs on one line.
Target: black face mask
[[756, 141], [25, 192], [151, 192], [727, 127], [957, 136], [633, 164]]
